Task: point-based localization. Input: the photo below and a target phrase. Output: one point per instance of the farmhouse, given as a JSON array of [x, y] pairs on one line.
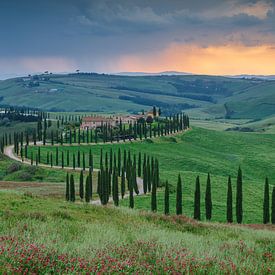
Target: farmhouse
[[96, 121]]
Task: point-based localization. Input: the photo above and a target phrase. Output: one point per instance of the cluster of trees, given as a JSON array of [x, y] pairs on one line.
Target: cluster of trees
[[114, 166], [63, 132]]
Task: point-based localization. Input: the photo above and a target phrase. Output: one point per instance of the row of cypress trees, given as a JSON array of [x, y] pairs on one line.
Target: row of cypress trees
[[108, 184], [164, 126], [267, 216]]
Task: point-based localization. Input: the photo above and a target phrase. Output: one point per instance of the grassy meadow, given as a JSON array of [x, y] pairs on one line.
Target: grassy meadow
[[197, 152], [51, 236]]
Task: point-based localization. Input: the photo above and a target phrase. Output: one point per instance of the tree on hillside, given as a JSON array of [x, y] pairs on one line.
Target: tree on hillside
[[139, 164], [273, 206], [208, 199], [87, 190], [115, 188], [166, 199], [229, 206], [131, 190], [81, 188], [154, 195], [179, 197], [197, 200], [266, 213], [122, 182], [72, 189], [67, 188], [239, 197], [91, 183]]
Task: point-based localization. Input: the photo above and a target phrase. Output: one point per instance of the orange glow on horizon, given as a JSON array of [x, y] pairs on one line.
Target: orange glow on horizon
[[213, 60]]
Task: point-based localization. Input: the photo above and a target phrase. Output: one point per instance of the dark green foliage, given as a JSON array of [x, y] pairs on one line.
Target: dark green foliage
[[91, 182], [67, 196], [115, 188], [145, 178], [81, 187], [154, 195], [273, 206], [122, 183], [229, 202], [119, 161], [87, 190], [197, 200], [266, 213], [56, 156], [139, 164], [72, 189], [208, 199], [131, 190], [166, 199], [239, 197], [179, 197]]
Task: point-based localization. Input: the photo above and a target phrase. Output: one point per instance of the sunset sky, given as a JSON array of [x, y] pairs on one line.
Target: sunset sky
[[203, 37]]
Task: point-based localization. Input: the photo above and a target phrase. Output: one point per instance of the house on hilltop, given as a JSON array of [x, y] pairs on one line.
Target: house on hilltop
[[96, 121]]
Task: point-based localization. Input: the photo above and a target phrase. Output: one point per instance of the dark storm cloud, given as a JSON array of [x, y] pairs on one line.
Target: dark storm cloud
[[89, 32]]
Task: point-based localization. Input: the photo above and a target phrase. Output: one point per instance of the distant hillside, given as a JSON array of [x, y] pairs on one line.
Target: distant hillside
[[201, 96]]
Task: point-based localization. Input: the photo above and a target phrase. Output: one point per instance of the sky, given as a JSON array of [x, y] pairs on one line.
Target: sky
[[203, 37]]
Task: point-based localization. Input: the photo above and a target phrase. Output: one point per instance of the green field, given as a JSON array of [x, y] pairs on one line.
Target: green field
[[114, 240], [198, 152], [205, 95]]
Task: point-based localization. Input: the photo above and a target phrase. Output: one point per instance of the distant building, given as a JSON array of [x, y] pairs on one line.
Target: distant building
[[96, 121], [92, 122]]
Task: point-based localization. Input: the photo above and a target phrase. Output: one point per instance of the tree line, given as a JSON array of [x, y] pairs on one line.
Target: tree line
[[108, 186]]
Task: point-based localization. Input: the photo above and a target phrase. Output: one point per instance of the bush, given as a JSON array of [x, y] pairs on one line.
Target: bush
[[31, 169], [13, 167], [25, 176]]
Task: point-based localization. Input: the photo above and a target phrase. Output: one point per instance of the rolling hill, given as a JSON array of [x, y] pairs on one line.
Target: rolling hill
[[202, 96]]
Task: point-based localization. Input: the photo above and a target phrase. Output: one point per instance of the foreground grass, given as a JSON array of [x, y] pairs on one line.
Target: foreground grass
[[76, 237], [198, 152]]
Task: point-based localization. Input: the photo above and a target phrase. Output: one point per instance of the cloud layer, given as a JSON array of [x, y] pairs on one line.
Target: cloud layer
[[122, 35]]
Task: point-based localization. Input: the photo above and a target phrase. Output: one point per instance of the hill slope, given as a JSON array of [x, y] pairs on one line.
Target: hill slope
[[203, 95], [84, 238]]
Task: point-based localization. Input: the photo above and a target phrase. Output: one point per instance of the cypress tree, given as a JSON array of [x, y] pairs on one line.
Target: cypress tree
[[266, 213], [51, 159], [81, 187], [197, 198], [74, 161], [62, 159], [131, 189], [68, 158], [87, 190], [166, 199], [122, 182], [179, 197], [56, 156], [273, 206], [83, 161], [145, 184], [91, 182], [208, 199], [239, 197], [115, 188], [67, 188], [119, 161], [154, 195], [229, 212], [72, 189], [78, 158], [139, 164]]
